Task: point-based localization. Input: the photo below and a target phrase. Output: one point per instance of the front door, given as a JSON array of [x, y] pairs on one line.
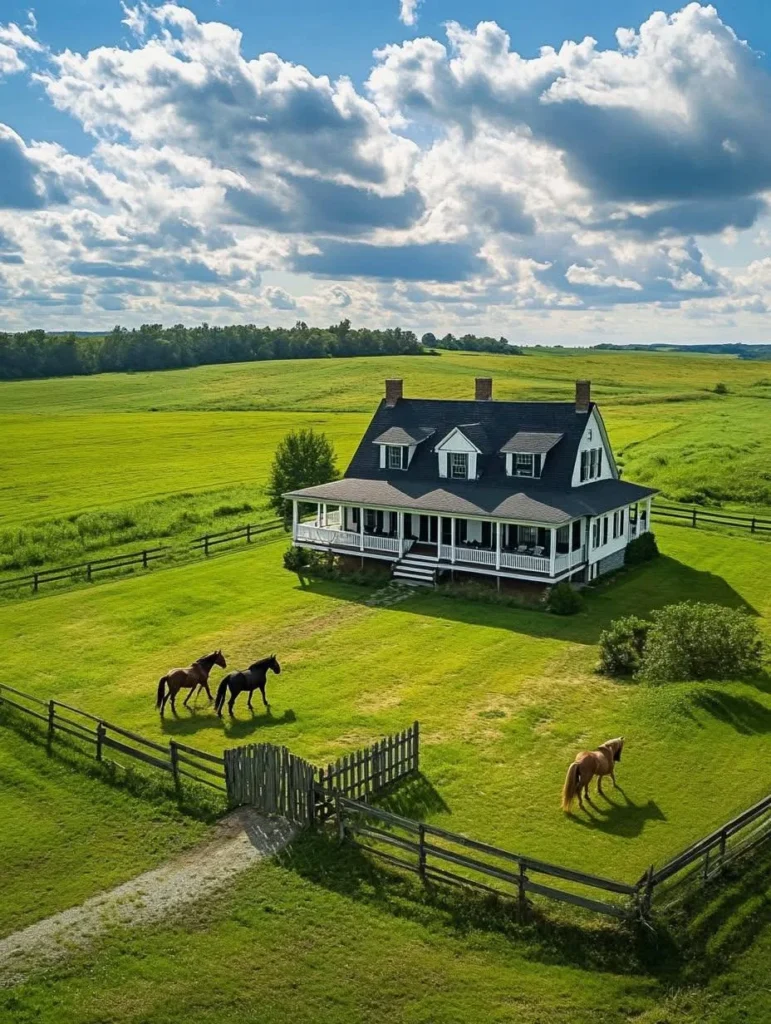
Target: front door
[[428, 529]]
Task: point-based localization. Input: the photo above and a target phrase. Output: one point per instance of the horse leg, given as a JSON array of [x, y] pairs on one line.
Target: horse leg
[[249, 702], [264, 700], [231, 702], [205, 686], [173, 696], [599, 785], [186, 701], [613, 777]]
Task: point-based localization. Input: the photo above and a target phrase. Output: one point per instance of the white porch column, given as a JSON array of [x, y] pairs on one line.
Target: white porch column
[[400, 531], [438, 536], [648, 513], [324, 514], [452, 540], [498, 546], [295, 518], [552, 550], [361, 528]]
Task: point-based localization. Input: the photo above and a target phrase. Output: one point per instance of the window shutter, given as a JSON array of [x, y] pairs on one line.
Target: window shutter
[[537, 463], [405, 457], [584, 465], [599, 462]]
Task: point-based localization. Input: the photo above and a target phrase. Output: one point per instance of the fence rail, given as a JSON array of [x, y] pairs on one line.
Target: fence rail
[[697, 516], [422, 848], [103, 735], [370, 769], [238, 533], [86, 570]]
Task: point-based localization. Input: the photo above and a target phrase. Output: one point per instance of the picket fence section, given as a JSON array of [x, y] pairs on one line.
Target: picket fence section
[[273, 780], [371, 769], [178, 759]]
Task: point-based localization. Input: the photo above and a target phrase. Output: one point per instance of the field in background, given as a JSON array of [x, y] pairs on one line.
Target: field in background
[[97, 465]]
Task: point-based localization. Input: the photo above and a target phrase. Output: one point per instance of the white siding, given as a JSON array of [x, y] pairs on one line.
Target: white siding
[[456, 441], [613, 544], [593, 437]]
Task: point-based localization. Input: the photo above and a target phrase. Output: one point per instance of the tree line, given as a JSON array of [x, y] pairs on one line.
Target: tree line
[[29, 354]]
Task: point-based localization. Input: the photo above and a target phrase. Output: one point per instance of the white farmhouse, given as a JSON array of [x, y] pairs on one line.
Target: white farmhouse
[[515, 490]]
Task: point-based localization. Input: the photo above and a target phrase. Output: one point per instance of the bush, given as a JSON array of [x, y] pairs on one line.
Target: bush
[[642, 549], [296, 559], [721, 389], [473, 591], [701, 641], [563, 599], [622, 646]]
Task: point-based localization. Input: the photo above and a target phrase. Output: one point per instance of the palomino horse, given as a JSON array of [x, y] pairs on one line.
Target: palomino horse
[[588, 764], [254, 678], [196, 675]]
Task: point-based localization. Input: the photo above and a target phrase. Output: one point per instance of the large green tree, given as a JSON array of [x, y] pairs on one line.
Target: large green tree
[[303, 458]]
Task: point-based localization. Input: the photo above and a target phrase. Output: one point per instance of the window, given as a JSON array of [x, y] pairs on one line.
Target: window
[[563, 539], [591, 464], [396, 457], [584, 466], [458, 465], [615, 524], [527, 535], [605, 530], [596, 533], [524, 465]]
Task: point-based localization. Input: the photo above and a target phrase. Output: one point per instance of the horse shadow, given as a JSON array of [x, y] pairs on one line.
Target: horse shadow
[[192, 721], [620, 818]]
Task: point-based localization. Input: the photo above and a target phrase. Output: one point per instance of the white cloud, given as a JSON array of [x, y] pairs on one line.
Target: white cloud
[[12, 41], [408, 11]]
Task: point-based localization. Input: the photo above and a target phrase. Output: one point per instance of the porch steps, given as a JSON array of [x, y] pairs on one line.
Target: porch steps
[[416, 570]]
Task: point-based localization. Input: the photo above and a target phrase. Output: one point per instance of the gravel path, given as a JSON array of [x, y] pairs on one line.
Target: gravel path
[[242, 839]]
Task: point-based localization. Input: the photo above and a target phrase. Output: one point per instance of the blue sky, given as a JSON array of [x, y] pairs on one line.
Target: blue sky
[[554, 172]]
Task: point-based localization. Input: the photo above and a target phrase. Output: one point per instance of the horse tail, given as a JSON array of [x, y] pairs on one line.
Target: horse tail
[[219, 700], [570, 789], [161, 684]]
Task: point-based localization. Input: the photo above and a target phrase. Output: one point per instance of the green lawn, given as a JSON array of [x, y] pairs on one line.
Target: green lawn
[[107, 463], [66, 836], [505, 697]]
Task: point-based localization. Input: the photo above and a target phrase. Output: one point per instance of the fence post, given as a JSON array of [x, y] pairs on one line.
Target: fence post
[[206, 545], [752, 525], [248, 533], [51, 715], [88, 572], [521, 893], [693, 523], [339, 815], [422, 851], [35, 582], [100, 730], [174, 763], [144, 559], [416, 746]]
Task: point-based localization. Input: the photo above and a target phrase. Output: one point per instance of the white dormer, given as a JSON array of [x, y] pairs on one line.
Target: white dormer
[[457, 456], [594, 458], [397, 446], [526, 453]]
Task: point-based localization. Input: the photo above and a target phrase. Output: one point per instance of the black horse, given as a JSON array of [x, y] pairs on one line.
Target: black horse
[[254, 678]]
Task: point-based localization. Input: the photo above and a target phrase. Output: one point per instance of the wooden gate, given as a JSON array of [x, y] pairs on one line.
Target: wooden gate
[[273, 780]]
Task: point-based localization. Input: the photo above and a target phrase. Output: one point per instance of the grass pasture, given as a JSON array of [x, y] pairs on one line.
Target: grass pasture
[[103, 464], [505, 697]]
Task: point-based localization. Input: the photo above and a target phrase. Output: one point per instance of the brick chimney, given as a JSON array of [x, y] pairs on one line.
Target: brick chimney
[[583, 395], [484, 389], [393, 392]]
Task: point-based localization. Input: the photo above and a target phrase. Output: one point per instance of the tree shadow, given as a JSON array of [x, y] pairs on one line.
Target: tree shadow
[[412, 797], [619, 817], [747, 715], [637, 591], [191, 723]]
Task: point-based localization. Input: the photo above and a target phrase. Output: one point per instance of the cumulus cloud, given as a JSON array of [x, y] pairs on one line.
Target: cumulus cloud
[[12, 42], [408, 11], [465, 182]]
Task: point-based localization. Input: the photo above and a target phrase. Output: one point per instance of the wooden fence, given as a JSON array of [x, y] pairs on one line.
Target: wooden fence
[[85, 570], [441, 856], [369, 770], [273, 780], [707, 858], [702, 516], [239, 533], [99, 736]]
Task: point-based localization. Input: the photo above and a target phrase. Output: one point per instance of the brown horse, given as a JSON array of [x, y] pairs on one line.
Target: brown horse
[[190, 678], [588, 764]]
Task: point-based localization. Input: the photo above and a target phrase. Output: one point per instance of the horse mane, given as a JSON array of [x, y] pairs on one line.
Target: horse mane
[[207, 657], [262, 662]]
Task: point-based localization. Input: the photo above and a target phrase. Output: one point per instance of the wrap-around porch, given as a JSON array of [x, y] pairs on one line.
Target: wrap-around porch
[[488, 546]]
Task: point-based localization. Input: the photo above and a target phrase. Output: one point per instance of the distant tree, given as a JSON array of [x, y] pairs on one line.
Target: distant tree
[[303, 458], [428, 339]]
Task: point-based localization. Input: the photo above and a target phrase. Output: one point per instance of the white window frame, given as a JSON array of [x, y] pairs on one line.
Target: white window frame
[[527, 469], [457, 460], [399, 449]]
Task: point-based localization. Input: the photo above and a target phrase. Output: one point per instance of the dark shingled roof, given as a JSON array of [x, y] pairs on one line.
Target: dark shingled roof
[[491, 426], [531, 444], [398, 435]]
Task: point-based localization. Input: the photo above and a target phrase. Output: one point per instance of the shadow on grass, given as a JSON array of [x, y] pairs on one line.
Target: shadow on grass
[[616, 815], [196, 720], [413, 797], [747, 715], [636, 591]]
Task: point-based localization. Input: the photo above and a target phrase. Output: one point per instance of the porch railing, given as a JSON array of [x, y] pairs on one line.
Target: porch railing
[[569, 559], [511, 560], [375, 542], [311, 534]]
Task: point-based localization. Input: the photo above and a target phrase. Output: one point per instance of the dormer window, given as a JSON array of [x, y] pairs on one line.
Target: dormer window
[[524, 464], [458, 465], [397, 456]]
